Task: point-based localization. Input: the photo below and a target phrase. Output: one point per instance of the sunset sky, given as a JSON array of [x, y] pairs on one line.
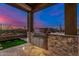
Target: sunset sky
[[11, 15], [49, 17]]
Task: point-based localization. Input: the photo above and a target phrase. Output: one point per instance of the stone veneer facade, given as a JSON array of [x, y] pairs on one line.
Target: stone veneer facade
[[63, 45]]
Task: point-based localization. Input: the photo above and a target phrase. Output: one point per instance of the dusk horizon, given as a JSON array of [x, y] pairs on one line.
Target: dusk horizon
[[49, 17]]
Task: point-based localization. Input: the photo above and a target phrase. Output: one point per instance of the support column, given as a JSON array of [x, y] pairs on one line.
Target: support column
[[30, 27], [70, 18]]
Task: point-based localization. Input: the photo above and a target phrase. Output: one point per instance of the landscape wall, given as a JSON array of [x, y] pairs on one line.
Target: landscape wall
[[63, 45]]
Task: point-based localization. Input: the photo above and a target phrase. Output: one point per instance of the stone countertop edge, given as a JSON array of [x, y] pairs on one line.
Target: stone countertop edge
[[63, 35]]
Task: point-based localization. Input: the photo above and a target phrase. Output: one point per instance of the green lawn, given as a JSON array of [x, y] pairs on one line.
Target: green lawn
[[11, 43]]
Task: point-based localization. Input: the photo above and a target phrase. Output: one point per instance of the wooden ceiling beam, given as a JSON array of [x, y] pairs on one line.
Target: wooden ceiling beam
[[41, 6], [21, 6], [26, 7]]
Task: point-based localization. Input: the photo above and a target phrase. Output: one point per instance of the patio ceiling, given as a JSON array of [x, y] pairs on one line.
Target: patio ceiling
[[33, 7]]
